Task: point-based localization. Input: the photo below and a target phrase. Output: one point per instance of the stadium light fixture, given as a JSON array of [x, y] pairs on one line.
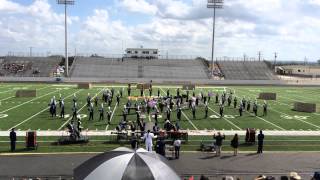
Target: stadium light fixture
[[214, 4], [65, 3]]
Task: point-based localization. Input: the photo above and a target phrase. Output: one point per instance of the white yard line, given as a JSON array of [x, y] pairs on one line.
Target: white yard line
[[7, 91], [63, 125], [183, 113], [189, 120], [28, 101], [269, 122], [6, 98], [225, 119], [28, 118], [22, 122], [114, 109], [149, 118], [289, 115], [64, 85]]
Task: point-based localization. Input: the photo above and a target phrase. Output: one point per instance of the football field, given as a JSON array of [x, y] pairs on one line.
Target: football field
[[33, 113]]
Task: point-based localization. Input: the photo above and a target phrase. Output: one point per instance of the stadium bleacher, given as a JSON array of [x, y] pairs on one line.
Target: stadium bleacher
[[138, 68], [246, 70], [29, 66]]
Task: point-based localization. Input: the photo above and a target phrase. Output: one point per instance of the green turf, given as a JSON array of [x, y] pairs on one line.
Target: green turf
[[25, 113], [31, 113]]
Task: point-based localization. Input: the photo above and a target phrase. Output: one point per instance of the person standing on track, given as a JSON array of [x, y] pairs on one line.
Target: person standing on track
[[13, 139], [260, 142], [219, 139], [235, 144], [148, 137], [177, 145]]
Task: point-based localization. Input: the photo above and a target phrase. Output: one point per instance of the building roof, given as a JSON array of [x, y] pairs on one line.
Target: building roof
[[145, 49]]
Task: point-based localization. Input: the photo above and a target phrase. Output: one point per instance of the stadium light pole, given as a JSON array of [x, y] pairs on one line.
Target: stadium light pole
[[65, 3], [214, 4]]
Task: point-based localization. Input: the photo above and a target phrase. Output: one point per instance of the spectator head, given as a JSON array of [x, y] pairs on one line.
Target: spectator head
[[260, 131], [316, 176], [294, 176], [227, 178], [12, 129], [202, 177], [260, 177], [148, 130], [270, 178]]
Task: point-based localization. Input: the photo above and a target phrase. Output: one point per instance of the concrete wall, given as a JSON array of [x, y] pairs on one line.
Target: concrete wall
[[301, 70]]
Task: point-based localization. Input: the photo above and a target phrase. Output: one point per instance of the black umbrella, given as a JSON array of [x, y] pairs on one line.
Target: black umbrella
[[125, 164]]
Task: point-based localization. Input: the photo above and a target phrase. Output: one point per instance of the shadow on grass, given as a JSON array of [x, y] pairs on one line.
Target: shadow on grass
[[20, 150], [101, 124]]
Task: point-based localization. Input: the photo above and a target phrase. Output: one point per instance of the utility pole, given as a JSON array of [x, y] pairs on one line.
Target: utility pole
[[259, 56], [275, 59], [30, 52]]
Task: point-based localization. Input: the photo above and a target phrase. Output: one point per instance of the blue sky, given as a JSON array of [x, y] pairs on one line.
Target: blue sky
[[176, 27]]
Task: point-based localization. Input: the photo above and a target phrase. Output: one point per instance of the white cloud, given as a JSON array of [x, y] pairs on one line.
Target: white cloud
[[140, 6], [34, 25], [315, 2], [178, 26], [173, 8], [100, 34], [8, 6]]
